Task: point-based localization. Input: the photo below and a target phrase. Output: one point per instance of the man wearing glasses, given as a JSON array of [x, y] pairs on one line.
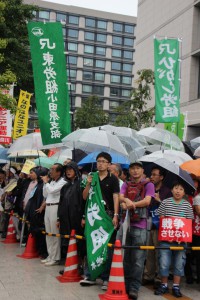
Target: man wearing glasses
[[109, 186]]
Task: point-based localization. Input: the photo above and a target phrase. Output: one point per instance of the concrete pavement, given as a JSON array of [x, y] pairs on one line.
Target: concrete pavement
[[28, 279]]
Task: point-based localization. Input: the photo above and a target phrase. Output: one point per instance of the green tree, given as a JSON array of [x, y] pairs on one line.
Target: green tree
[[134, 113], [15, 62], [90, 114]]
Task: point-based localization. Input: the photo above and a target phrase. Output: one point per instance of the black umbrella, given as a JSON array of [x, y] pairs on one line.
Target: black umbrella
[[174, 173]]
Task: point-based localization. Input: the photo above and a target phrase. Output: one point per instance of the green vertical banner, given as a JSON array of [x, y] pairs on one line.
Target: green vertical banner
[[177, 128], [167, 80], [50, 79]]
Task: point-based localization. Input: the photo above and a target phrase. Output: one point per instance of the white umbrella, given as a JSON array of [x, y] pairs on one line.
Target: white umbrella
[[197, 152], [94, 139], [195, 143], [32, 141], [163, 137], [177, 157], [27, 153], [125, 131], [133, 143], [63, 154]]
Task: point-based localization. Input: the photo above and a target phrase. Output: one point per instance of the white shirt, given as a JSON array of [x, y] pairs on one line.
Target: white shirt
[[51, 191]]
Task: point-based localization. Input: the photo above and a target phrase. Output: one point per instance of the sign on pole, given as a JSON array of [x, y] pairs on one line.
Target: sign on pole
[[21, 117], [167, 80], [50, 79]]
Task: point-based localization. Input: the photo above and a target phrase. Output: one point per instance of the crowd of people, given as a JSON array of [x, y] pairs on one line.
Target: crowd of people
[[57, 200]]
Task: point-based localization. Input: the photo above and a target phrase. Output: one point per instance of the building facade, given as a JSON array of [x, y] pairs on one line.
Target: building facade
[[181, 19], [100, 52]]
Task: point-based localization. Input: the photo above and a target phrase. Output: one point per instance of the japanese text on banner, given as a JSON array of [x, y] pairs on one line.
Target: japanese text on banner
[[167, 80], [5, 126], [98, 229], [21, 117], [50, 78], [175, 229]]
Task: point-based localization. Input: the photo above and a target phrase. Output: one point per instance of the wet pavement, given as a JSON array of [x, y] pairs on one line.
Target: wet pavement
[[28, 279]]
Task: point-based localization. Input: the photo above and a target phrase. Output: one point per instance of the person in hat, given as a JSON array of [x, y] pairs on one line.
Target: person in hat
[[70, 207], [135, 196]]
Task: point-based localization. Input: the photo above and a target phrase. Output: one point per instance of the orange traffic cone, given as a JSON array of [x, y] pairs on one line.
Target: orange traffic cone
[[30, 250], [11, 233], [71, 273], [116, 286]]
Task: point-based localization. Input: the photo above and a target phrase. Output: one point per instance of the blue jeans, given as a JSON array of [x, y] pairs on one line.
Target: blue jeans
[[176, 258], [134, 258]]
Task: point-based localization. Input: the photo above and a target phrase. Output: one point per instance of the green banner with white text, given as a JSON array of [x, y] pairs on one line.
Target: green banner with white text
[[177, 128], [167, 80], [50, 80]]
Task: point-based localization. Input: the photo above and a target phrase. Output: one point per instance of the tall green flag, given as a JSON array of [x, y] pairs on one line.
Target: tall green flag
[[98, 229], [50, 79], [177, 128], [167, 80]]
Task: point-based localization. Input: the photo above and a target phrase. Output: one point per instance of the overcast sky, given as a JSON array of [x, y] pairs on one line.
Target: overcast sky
[[125, 7]]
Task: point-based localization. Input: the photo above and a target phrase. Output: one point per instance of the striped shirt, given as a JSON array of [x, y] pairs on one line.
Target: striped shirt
[[169, 208]]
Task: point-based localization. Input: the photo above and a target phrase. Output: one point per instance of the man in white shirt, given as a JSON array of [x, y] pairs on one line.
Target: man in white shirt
[[51, 191]]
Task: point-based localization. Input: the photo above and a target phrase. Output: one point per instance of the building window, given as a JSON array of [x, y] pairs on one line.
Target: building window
[[88, 62], [116, 66], [99, 76], [72, 87], [73, 47], [126, 93], [128, 54], [88, 49], [116, 53], [127, 67], [98, 90], [101, 51], [113, 104], [129, 29], [128, 42], [89, 36], [114, 91], [73, 20], [126, 80], [61, 17], [117, 27], [73, 33], [115, 79], [71, 73], [87, 75], [89, 22], [101, 38], [72, 60], [117, 40], [64, 32], [87, 88], [44, 14], [102, 25], [100, 63]]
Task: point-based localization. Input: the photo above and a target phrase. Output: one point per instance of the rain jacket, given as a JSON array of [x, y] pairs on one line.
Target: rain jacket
[[70, 208]]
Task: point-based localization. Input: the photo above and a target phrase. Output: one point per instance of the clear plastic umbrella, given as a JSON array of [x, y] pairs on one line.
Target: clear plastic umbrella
[[32, 141], [162, 137], [195, 143], [27, 153], [133, 143], [94, 139], [177, 157], [197, 152]]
